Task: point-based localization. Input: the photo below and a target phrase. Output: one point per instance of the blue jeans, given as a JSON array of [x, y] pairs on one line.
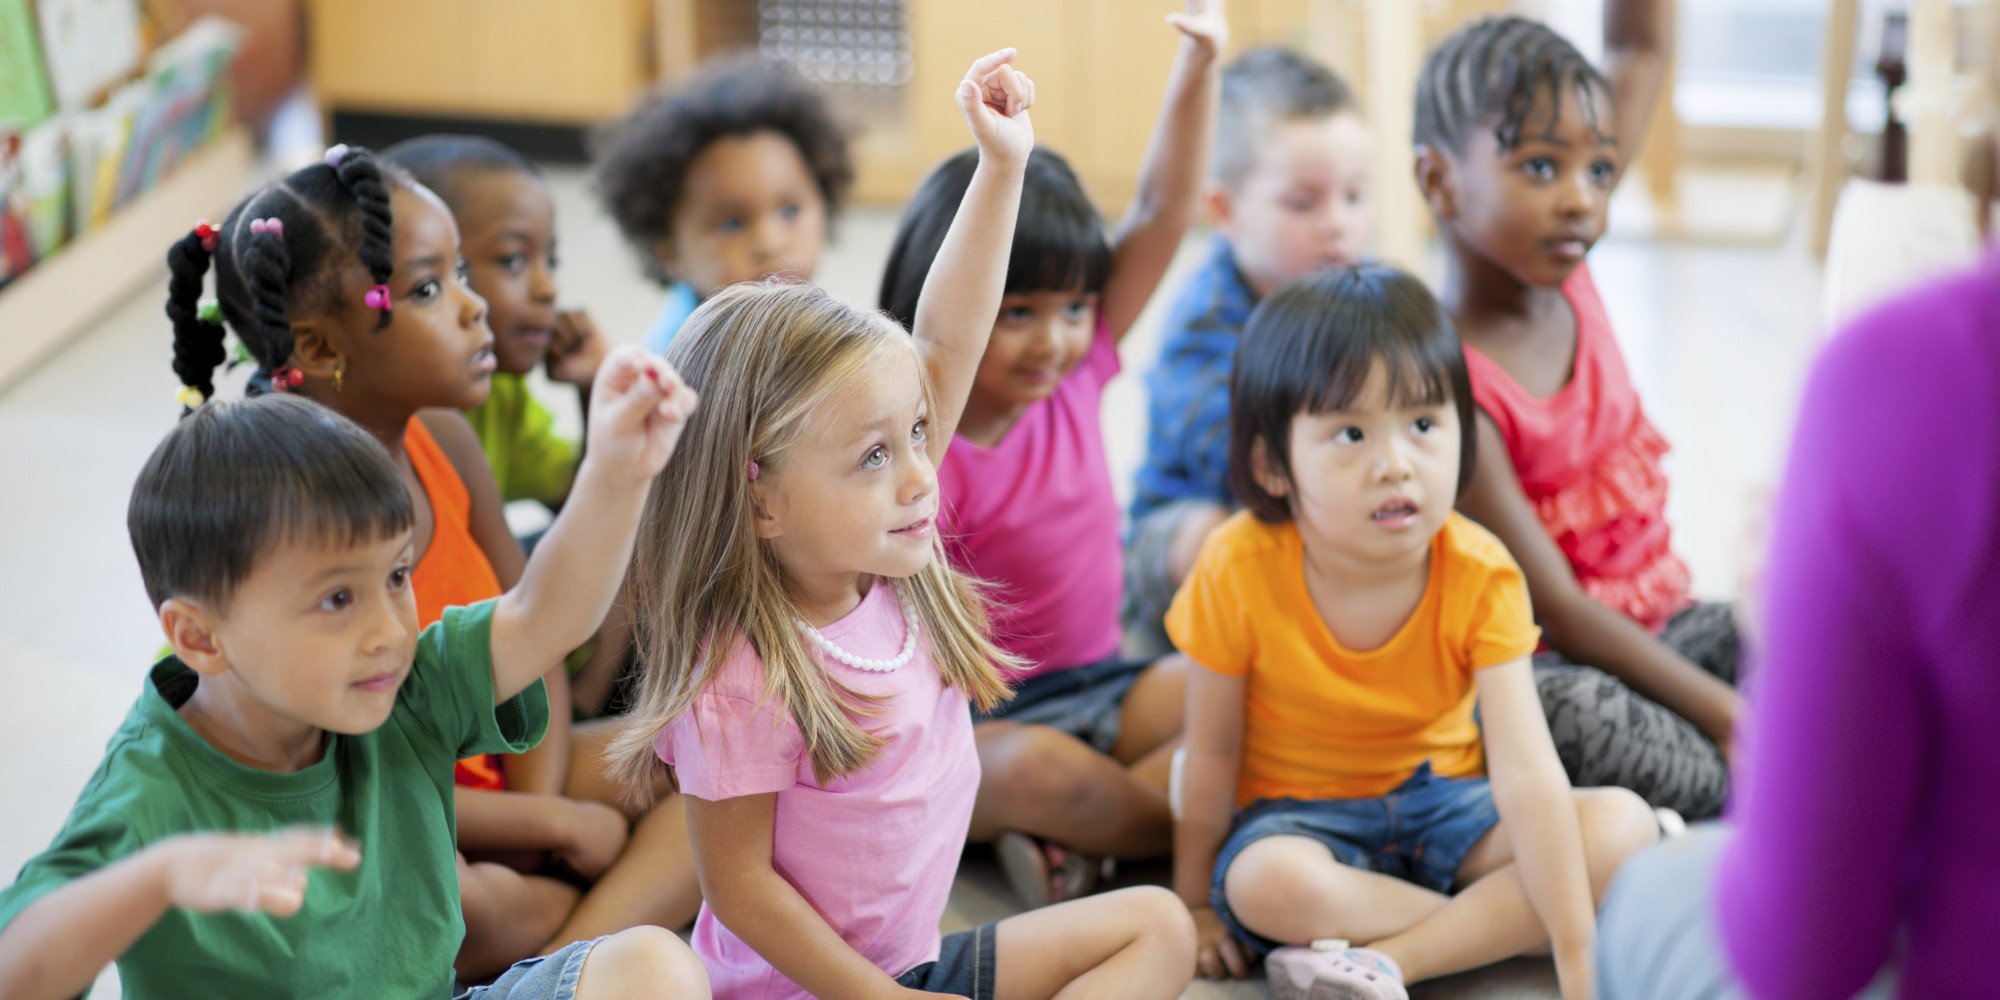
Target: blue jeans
[[550, 977], [1420, 832]]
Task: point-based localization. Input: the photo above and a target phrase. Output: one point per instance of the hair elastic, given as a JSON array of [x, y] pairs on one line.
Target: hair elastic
[[336, 153], [189, 396], [209, 311], [286, 378], [377, 298], [204, 231], [755, 471], [274, 226]]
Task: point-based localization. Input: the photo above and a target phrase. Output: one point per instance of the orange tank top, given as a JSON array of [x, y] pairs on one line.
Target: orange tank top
[[454, 569]]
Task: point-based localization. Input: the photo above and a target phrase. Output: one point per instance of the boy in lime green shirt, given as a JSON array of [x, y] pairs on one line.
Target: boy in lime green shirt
[[506, 224]]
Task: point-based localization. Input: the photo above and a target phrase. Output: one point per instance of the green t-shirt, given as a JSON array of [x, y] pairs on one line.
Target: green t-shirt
[[530, 460], [391, 927]]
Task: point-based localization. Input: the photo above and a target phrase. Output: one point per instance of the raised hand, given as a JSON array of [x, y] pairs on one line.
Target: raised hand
[[995, 98], [216, 872], [639, 406], [1204, 24]]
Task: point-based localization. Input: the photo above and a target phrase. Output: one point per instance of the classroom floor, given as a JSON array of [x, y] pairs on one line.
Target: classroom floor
[[1716, 336]]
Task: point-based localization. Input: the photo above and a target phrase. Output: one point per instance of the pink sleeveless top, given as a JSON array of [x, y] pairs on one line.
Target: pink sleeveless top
[[1589, 461]]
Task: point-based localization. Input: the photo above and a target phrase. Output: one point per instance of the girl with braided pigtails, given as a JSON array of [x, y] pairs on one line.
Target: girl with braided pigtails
[[1520, 141], [345, 283]]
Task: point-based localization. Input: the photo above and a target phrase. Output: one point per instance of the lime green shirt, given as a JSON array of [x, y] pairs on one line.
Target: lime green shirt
[[387, 929], [530, 460]]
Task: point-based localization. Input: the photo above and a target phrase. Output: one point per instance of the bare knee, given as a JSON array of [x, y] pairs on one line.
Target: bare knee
[[1264, 884], [1616, 824], [642, 962], [1038, 776], [1158, 916]]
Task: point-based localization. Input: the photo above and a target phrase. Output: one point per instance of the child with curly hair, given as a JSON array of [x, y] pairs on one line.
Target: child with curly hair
[[735, 176]]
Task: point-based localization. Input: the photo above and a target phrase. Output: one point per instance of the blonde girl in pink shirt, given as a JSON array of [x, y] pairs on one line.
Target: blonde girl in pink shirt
[[809, 659]]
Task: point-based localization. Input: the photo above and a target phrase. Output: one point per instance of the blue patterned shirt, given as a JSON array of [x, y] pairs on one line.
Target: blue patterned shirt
[[1187, 389]]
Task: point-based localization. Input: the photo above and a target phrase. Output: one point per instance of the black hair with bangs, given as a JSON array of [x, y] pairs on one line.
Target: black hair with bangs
[[234, 479], [1309, 348], [1059, 241]]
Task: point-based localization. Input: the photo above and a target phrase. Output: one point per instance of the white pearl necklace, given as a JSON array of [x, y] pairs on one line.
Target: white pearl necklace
[[879, 666]]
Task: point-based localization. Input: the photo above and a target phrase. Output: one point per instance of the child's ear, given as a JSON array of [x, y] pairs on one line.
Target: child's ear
[[314, 349], [1220, 205], [190, 629], [1265, 470], [1436, 181], [766, 523]]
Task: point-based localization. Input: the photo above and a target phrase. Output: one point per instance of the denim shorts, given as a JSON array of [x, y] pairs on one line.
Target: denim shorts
[[1420, 832], [1086, 702], [550, 977], [964, 966]]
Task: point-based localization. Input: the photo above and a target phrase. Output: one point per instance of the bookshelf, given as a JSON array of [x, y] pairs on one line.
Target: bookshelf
[[61, 296]]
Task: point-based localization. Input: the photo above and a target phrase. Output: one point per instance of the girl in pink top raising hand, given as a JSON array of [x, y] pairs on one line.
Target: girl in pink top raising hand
[[808, 657], [1078, 761]]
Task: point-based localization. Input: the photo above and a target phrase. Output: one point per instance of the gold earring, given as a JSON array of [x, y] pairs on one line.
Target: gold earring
[[338, 377]]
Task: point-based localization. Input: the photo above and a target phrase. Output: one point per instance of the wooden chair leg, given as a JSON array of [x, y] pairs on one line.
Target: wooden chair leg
[[1828, 167]]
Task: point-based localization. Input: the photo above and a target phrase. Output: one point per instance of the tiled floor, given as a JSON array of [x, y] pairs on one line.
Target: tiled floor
[[1715, 336]]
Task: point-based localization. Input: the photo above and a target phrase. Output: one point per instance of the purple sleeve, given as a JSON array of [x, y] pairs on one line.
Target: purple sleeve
[[1831, 755]]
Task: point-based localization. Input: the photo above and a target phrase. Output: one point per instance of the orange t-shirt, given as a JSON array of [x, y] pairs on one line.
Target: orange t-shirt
[[1325, 722], [454, 569]]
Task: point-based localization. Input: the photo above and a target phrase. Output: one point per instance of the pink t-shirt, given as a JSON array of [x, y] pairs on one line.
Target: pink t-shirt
[[1589, 460], [874, 852], [1036, 516]]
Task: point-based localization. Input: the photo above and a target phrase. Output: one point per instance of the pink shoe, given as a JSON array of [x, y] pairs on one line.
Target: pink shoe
[[1330, 970]]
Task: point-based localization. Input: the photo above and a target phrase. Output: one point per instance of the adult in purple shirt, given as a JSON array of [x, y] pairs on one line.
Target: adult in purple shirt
[[1866, 831]]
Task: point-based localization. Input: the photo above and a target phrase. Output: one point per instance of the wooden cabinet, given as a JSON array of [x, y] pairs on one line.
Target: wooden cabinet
[[572, 62]]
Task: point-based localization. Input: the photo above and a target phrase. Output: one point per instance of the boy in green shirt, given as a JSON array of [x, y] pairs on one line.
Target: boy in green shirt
[[275, 818]]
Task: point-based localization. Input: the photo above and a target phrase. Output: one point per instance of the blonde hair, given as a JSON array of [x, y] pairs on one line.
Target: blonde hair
[[764, 358]]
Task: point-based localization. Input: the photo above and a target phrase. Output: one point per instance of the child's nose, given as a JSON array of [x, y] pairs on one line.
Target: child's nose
[[919, 477], [472, 307], [542, 282], [387, 628]]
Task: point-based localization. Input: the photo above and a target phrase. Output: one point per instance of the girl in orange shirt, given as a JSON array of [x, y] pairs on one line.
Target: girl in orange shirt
[[1337, 784]]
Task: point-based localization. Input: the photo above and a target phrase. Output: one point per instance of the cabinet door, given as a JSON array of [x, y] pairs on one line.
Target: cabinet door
[[387, 55], [578, 60]]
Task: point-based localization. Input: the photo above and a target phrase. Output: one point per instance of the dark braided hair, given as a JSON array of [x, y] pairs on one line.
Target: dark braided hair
[[1492, 71], [330, 216]]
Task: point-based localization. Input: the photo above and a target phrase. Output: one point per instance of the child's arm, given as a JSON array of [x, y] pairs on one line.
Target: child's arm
[[575, 356], [1214, 750], [545, 767], [732, 854], [58, 944], [1638, 49], [961, 294], [1533, 797], [1170, 176], [640, 407], [1575, 624], [587, 836]]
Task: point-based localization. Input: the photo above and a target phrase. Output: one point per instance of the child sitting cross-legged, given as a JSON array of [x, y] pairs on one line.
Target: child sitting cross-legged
[[275, 816], [1338, 784]]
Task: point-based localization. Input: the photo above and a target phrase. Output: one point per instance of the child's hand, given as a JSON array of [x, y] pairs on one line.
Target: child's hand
[[1204, 24], [1217, 955], [995, 98], [577, 350], [594, 835], [215, 872], [638, 408]]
